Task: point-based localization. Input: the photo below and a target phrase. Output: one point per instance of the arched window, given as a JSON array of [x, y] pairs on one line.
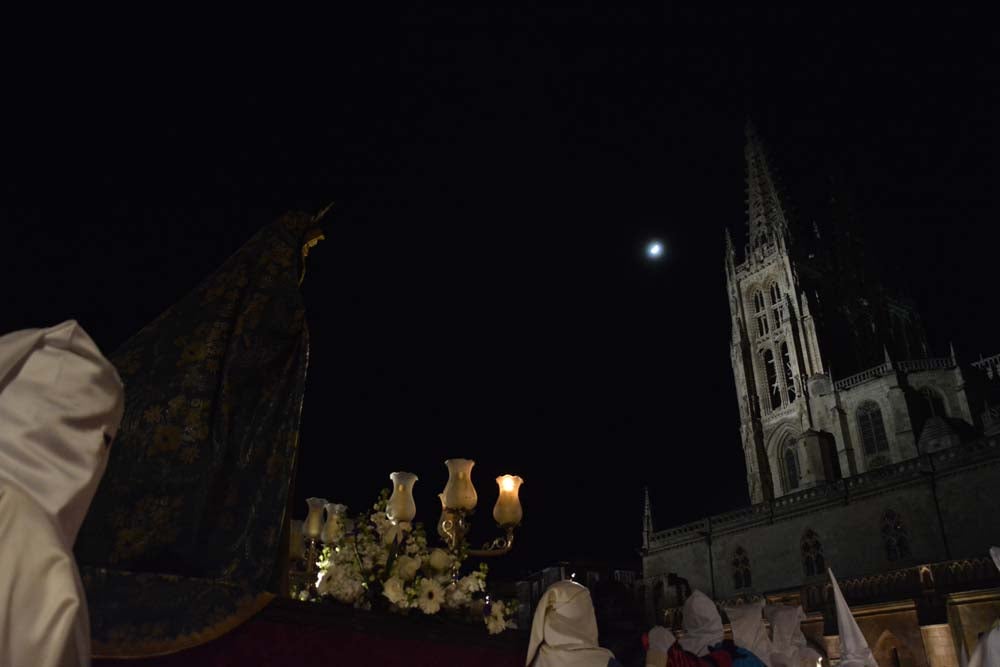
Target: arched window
[[771, 371], [760, 312], [897, 545], [790, 467], [872, 429], [777, 307], [812, 554], [741, 569], [786, 360]]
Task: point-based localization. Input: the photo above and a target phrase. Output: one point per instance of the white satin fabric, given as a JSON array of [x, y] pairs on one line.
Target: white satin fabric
[[854, 650], [702, 624], [747, 623], [61, 403], [564, 629], [660, 641], [987, 652], [788, 644]]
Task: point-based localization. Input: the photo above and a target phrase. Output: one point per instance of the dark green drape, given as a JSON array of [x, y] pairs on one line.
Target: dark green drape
[[183, 535]]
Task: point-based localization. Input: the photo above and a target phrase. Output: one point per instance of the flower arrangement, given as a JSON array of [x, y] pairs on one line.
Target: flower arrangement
[[373, 562]]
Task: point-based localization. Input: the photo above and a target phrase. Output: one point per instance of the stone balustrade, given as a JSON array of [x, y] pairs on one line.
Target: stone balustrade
[[837, 492]]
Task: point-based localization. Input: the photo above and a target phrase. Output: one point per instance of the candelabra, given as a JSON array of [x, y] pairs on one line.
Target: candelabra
[[458, 502]]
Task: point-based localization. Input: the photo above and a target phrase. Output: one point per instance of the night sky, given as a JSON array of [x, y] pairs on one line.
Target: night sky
[[482, 291]]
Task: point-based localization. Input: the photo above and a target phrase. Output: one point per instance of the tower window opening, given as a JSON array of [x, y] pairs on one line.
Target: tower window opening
[[760, 312], [777, 307], [771, 372], [789, 375]]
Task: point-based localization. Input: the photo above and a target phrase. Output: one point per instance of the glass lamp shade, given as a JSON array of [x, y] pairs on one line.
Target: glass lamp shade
[[401, 507], [459, 493], [507, 511], [333, 529], [313, 525]]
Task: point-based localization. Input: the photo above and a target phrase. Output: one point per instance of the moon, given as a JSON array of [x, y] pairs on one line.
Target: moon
[[654, 249]]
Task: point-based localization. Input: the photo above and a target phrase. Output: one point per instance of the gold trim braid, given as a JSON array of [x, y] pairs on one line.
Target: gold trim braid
[[313, 239]]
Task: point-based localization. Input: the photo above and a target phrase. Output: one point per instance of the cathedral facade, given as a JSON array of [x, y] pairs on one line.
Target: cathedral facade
[[888, 471]]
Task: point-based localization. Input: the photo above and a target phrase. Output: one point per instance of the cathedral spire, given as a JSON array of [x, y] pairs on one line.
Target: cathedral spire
[[647, 520], [765, 215]]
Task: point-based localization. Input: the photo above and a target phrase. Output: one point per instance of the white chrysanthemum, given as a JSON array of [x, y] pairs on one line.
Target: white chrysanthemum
[[440, 560], [407, 567], [430, 597], [496, 622], [338, 584], [455, 597], [472, 583], [393, 590]]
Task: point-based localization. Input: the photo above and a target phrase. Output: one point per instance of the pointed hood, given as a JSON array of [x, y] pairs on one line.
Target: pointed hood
[[61, 403], [702, 624], [854, 651], [564, 629]]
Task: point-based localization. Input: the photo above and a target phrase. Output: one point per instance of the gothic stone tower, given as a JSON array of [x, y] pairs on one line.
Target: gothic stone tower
[[800, 428], [774, 345]]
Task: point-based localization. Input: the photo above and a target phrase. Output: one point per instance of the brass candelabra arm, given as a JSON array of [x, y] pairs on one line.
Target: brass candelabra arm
[[498, 547], [311, 551], [452, 528]]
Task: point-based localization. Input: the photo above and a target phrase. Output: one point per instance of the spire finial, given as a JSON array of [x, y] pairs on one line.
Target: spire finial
[[647, 520], [951, 351], [888, 359]]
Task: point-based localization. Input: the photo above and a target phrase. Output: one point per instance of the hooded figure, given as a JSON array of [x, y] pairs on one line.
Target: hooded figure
[[61, 403], [854, 651], [788, 644], [703, 643], [564, 630], [702, 624], [749, 631]]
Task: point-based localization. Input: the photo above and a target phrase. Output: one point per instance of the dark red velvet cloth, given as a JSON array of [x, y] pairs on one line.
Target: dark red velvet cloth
[[264, 641]]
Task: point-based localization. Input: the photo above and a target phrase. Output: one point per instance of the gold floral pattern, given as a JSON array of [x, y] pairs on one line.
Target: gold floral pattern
[[198, 479]]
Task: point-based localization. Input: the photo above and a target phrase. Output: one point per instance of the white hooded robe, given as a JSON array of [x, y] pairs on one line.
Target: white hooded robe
[[564, 629], [61, 403]]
